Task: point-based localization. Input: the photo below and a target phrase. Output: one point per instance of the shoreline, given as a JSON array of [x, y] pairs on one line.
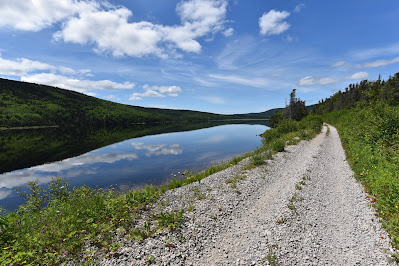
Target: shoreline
[[218, 227]]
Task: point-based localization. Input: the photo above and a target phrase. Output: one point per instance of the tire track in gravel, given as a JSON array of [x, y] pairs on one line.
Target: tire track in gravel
[[333, 226]]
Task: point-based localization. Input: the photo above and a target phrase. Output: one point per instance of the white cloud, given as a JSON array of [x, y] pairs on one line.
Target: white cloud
[[358, 76], [309, 81], [272, 23], [338, 64], [111, 31], [39, 14], [149, 93], [79, 85], [299, 7], [213, 99], [21, 66], [158, 149], [379, 63], [255, 82], [229, 32], [156, 91], [172, 91]]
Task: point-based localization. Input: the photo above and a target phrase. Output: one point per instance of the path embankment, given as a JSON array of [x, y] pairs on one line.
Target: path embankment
[[303, 207]]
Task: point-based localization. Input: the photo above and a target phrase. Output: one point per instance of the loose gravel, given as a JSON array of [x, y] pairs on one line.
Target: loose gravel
[[303, 207]]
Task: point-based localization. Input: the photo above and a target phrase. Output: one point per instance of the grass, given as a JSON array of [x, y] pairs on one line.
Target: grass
[[281, 220], [198, 194], [233, 181], [271, 256]]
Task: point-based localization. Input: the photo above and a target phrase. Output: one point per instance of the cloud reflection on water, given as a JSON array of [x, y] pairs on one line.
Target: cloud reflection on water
[[158, 149], [70, 167]]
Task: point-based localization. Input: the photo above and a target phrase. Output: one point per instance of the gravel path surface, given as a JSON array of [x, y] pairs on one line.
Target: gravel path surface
[[303, 207]]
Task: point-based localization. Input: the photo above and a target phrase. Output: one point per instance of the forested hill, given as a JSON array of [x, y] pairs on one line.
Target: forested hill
[[365, 93], [27, 104]]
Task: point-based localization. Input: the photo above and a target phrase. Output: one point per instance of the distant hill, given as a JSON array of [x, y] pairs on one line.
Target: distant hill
[[28, 104], [261, 115], [267, 114]]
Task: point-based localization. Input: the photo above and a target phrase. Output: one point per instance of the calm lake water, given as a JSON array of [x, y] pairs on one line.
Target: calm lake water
[[132, 162]]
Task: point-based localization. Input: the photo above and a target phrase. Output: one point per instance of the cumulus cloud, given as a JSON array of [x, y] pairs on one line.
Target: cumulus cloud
[[79, 85], [156, 91], [358, 76], [379, 63], [21, 66], [111, 31], [172, 91], [309, 81], [39, 14], [272, 23]]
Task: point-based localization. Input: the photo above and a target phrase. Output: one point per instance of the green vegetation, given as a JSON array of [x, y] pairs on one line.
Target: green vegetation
[[281, 220], [233, 181], [295, 110], [366, 116], [60, 222], [25, 104], [271, 256]]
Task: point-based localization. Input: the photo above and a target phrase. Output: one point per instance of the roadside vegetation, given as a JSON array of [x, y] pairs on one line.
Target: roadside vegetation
[[366, 116]]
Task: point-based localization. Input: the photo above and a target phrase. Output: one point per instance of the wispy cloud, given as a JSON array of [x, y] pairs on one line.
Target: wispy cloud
[[299, 7], [358, 76], [376, 52], [272, 23], [256, 82], [213, 99], [228, 32], [309, 81], [338, 64], [379, 63]]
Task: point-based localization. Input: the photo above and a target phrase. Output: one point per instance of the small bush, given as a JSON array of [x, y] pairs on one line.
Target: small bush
[[278, 145]]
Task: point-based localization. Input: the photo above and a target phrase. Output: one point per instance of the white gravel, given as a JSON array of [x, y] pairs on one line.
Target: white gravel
[[329, 222]]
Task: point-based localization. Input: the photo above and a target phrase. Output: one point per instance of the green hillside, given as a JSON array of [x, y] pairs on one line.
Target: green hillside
[[27, 104]]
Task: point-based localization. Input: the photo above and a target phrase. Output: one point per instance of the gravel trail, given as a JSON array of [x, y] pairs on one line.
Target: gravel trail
[[302, 208]]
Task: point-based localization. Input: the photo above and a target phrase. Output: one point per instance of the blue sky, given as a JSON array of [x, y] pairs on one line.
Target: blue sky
[[210, 55]]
